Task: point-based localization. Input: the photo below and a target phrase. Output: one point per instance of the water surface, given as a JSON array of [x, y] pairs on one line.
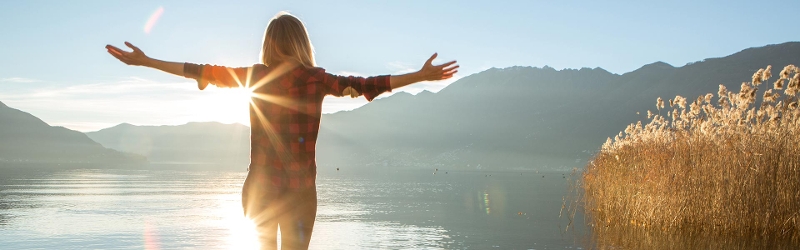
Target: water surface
[[183, 209]]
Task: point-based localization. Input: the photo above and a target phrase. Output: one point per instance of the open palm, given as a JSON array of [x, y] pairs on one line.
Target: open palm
[[430, 72], [136, 57]]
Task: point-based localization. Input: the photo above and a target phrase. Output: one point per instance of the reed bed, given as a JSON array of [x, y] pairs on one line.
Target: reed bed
[[724, 166]]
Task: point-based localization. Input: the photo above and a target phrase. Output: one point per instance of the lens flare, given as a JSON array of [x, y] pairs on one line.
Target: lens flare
[[150, 237], [153, 20]]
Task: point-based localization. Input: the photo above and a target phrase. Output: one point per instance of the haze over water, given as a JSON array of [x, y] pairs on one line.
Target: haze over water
[[173, 209]]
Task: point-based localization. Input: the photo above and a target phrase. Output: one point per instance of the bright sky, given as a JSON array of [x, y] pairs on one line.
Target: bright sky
[[55, 67]]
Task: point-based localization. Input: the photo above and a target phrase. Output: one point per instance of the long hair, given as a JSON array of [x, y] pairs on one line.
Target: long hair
[[286, 39]]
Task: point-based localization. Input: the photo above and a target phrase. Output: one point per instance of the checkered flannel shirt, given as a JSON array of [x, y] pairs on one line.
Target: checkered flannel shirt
[[285, 114]]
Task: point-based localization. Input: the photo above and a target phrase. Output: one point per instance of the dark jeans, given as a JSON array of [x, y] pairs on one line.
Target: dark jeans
[[268, 207]]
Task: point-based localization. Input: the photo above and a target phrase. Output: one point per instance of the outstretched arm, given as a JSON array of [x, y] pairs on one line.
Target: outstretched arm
[[204, 74], [138, 58], [371, 87], [429, 72]]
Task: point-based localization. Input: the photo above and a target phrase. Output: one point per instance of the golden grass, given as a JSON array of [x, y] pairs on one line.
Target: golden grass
[[724, 168]]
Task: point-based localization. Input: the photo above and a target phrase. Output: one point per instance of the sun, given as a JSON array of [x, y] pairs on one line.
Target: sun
[[227, 105], [232, 105]]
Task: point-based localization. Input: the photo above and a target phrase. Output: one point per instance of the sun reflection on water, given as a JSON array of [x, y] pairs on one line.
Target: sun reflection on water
[[486, 202], [241, 231]]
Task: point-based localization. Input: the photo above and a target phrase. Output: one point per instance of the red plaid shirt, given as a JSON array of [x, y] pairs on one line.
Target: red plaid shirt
[[285, 113]]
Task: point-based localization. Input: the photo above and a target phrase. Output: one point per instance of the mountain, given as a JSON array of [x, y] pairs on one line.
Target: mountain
[[525, 117], [192, 143], [498, 119], [25, 138]]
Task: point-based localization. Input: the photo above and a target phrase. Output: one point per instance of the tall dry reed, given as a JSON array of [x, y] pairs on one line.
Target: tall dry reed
[[724, 165]]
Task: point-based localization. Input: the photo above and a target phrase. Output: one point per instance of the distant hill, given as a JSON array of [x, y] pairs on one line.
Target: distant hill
[[27, 139], [512, 118], [193, 143], [525, 117]]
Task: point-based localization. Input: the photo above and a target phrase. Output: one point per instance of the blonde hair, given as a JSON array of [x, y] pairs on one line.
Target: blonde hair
[[285, 39]]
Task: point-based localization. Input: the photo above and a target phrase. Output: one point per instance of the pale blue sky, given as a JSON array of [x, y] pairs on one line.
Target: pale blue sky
[[55, 67]]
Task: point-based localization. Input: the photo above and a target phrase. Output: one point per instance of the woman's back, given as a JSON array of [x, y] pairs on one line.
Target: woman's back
[[285, 111]]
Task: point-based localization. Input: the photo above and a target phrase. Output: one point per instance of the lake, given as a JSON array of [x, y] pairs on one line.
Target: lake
[[183, 209]]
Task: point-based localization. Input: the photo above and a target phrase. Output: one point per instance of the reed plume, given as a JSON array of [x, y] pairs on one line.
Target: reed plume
[[730, 169]]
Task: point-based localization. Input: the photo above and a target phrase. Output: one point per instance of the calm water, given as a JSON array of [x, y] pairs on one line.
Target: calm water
[[172, 209]]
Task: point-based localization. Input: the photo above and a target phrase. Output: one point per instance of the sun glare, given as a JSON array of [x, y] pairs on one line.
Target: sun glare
[[230, 105], [227, 105]]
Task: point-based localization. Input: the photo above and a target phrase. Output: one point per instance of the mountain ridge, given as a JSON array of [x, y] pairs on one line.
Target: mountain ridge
[[211, 143], [26, 138], [523, 117], [585, 106]]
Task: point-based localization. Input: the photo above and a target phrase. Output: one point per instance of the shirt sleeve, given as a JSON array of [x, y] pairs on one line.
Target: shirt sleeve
[[220, 76], [370, 87]]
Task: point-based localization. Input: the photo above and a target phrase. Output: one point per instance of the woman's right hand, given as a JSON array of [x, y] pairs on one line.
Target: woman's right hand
[[136, 57]]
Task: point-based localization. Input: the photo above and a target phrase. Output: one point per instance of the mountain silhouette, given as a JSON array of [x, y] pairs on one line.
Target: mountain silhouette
[[525, 117], [498, 119], [192, 143], [25, 138]]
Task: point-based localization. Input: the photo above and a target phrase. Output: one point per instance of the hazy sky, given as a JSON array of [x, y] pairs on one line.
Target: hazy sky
[[55, 67]]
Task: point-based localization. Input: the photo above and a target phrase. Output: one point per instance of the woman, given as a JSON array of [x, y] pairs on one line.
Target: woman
[[287, 93]]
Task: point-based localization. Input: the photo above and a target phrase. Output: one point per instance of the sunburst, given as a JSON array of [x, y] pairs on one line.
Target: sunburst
[[247, 89]]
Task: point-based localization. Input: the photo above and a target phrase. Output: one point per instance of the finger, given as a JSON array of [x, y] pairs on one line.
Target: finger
[[449, 74], [132, 47], [122, 59], [111, 47], [119, 57], [430, 60], [446, 64], [114, 52], [451, 68], [119, 53]]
